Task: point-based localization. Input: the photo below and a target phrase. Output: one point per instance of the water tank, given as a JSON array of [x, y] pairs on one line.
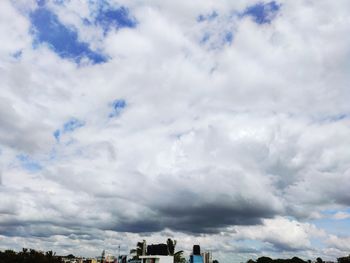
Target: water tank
[[196, 250]]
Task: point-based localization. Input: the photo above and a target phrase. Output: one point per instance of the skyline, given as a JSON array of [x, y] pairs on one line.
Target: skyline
[[219, 123]]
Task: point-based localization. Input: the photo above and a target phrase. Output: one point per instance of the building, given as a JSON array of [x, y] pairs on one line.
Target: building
[[157, 259], [207, 257]]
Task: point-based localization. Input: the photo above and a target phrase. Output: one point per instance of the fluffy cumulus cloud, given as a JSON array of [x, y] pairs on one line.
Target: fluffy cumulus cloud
[[224, 123]]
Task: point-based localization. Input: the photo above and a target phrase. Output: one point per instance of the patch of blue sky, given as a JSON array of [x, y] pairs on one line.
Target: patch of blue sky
[[251, 246], [332, 212], [118, 106], [207, 17], [41, 2], [333, 225], [205, 38], [63, 40], [17, 54], [316, 242], [58, 2], [218, 30], [72, 125], [261, 12], [108, 18], [57, 135], [28, 163], [228, 37], [217, 40], [69, 126]]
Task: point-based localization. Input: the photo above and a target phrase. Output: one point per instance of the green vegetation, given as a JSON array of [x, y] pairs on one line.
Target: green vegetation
[[28, 256], [137, 252], [295, 260]]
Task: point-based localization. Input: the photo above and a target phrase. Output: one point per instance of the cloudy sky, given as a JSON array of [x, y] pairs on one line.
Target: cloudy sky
[[219, 123]]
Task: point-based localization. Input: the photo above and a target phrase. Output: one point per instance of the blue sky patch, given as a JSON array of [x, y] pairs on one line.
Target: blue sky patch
[[72, 125], [41, 2], [28, 163], [61, 39], [229, 37], [208, 17], [117, 107], [57, 135], [69, 126], [109, 18], [205, 38], [332, 226], [218, 40], [17, 54], [262, 13]]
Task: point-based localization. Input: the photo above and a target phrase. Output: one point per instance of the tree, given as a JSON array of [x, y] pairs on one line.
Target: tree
[[28, 256], [171, 246], [139, 250], [179, 257], [215, 261], [319, 260], [103, 256], [70, 256], [344, 259]]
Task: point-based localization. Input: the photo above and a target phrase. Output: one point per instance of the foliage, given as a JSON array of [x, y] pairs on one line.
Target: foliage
[[179, 257], [344, 259], [270, 260], [171, 246], [138, 251], [28, 256]]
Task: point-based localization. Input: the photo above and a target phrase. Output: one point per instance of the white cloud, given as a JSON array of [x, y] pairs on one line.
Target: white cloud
[[341, 215], [252, 133], [282, 233], [340, 243]]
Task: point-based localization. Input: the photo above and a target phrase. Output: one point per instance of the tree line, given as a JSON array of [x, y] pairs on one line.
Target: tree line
[[29, 256], [295, 260], [34, 256]]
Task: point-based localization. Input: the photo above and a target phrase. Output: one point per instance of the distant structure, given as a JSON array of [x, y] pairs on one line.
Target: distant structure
[[207, 257], [196, 256]]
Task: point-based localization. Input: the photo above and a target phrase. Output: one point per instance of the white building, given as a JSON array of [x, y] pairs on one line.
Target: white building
[[157, 259], [207, 258]]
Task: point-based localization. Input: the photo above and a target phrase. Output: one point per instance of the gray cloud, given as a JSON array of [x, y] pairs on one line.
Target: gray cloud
[[242, 142]]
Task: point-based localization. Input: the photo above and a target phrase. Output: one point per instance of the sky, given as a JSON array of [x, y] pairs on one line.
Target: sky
[[212, 122]]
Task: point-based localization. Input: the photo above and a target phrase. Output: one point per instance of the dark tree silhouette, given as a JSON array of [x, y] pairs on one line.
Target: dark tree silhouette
[[171, 246], [179, 257], [70, 256], [137, 252], [28, 256], [264, 260], [344, 259], [270, 260]]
